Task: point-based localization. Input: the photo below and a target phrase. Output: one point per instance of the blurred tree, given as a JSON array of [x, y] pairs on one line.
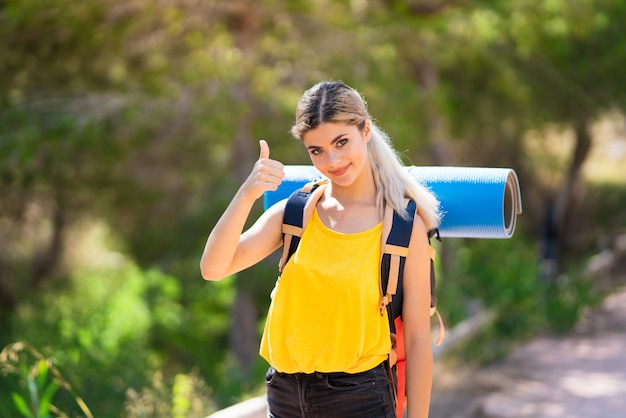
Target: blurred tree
[[573, 77], [147, 114], [521, 67], [243, 21]]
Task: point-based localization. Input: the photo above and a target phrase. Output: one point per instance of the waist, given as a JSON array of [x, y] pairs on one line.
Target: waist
[[382, 367]]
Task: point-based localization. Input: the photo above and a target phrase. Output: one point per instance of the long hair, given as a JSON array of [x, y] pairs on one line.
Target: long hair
[[337, 102]]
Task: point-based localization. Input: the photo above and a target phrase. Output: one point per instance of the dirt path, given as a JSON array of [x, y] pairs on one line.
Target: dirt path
[[581, 375]]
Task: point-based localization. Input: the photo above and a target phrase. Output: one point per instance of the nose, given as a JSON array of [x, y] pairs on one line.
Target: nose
[[333, 157]]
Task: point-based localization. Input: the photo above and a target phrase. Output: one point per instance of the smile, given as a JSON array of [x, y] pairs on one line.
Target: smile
[[340, 171]]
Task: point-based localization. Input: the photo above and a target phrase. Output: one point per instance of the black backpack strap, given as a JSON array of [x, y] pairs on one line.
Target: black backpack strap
[[433, 299], [433, 282], [298, 210], [394, 252]]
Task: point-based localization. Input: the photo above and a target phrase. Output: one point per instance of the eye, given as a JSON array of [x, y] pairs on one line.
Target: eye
[[342, 142], [316, 151]]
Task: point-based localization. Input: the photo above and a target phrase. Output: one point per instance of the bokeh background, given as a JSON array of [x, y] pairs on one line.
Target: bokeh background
[[127, 126]]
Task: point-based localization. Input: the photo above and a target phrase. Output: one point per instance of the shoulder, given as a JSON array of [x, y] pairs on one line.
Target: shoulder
[[419, 232], [277, 208], [273, 216], [419, 225]]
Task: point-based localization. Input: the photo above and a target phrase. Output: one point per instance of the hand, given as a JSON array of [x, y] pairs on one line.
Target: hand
[[266, 175]]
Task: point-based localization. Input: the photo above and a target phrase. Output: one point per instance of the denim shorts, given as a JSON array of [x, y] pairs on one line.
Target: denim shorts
[[367, 394]]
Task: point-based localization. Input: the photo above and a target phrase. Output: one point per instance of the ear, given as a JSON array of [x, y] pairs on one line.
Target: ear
[[367, 131]]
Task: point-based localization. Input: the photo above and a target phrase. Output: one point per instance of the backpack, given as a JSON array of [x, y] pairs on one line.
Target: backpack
[[396, 237]]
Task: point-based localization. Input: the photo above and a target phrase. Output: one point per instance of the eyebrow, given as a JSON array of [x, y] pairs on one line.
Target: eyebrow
[[335, 139]]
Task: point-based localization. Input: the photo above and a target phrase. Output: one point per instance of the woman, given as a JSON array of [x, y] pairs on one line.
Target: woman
[[325, 338]]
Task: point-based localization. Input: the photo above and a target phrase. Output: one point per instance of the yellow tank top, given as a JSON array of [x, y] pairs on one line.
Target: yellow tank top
[[324, 315]]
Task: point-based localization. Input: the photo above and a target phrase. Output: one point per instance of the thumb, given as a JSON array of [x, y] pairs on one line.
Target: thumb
[[265, 149]]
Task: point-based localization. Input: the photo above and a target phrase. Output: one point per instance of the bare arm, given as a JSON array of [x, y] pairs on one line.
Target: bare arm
[[416, 318], [228, 249]]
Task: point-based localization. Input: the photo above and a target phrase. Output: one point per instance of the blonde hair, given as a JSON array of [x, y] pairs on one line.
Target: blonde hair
[[337, 102]]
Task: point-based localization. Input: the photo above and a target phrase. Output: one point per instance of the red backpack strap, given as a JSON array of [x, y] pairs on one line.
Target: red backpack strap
[[400, 369]]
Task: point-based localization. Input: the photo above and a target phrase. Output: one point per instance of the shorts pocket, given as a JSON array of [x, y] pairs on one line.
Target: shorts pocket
[[351, 382]]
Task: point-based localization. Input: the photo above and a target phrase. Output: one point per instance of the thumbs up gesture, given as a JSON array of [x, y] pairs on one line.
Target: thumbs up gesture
[[265, 149], [266, 175]]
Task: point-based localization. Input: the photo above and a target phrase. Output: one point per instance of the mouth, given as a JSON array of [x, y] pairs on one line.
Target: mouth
[[341, 171]]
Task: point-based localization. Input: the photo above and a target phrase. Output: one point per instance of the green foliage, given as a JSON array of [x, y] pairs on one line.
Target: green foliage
[[607, 199], [40, 391], [100, 329], [503, 275], [117, 327], [33, 372], [139, 115], [186, 396], [567, 300]]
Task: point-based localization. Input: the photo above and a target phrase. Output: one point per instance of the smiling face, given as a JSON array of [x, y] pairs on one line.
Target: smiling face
[[339, 151]]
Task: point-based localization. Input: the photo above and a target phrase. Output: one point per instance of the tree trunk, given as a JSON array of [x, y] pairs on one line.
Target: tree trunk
[[565, 201], [7, 289], [242, 17], [243, 337], [46, 262], [426, 77]]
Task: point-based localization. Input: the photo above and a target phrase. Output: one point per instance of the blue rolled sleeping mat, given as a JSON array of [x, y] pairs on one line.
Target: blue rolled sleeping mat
[[476, 202]]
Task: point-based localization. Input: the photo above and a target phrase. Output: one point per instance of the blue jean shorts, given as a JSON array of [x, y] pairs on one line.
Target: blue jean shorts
[[367, 394]]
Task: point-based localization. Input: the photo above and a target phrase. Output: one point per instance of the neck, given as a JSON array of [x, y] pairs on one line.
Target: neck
[[362, 191]]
